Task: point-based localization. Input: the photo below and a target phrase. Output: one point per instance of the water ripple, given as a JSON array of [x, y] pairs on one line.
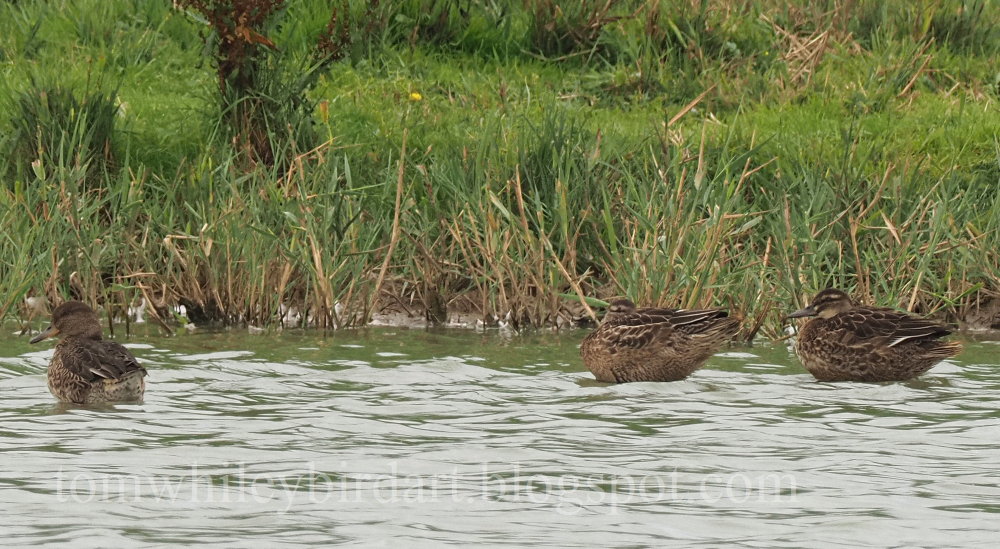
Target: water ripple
[[453, 438]]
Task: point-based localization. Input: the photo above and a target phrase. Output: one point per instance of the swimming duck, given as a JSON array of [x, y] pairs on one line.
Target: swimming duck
[[648, 344], [848, 342], [86, 368]]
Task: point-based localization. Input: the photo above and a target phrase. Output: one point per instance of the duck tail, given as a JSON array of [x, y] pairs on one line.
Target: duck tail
[[724, 328], [944, 349]]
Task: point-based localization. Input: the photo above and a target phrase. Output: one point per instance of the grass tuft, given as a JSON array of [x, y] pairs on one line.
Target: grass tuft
[[432, 157]]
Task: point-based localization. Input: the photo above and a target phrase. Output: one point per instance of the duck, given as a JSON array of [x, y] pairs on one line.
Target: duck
[[848, 342], [86, 369], [651, 344]]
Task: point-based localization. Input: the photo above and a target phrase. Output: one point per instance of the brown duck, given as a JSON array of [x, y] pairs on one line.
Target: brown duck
[[847, 342], [647, 344], [86, 368]]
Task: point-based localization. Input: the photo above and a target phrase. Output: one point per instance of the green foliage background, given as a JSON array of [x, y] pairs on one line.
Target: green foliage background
[[492, 155]]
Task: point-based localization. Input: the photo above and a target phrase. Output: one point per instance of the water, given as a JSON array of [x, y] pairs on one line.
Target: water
[[392, 436]]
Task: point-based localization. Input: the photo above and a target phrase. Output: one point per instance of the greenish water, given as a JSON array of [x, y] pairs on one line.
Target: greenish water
[[417, 438]]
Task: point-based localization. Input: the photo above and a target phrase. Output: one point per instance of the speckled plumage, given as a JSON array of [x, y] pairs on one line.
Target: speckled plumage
[[648, 344], [86, 369], [847, 342]]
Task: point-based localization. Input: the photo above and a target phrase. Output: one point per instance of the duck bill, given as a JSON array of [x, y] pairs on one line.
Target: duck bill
[[51, 331], [808, 311]]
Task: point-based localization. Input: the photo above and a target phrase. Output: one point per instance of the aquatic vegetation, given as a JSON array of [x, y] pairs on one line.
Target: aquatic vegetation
[[739, 154]]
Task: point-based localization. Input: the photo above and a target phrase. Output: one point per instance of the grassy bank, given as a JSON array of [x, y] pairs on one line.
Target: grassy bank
[[489, 156]]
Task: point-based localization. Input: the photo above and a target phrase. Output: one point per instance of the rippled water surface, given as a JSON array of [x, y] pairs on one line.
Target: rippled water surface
[[395, 437]]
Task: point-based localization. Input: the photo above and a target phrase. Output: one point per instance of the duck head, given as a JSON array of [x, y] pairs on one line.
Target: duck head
[[618, 307], [72, 318], [826, 304]]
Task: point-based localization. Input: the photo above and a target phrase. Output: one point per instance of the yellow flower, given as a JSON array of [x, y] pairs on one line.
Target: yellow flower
[[414, 96]]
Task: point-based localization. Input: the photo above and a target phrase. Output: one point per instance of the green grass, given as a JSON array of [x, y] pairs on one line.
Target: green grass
[[739, 154]]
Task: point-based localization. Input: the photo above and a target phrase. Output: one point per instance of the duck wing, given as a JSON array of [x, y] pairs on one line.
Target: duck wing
[[646, 326], [101, 359], [892, 326], [688, 321]]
